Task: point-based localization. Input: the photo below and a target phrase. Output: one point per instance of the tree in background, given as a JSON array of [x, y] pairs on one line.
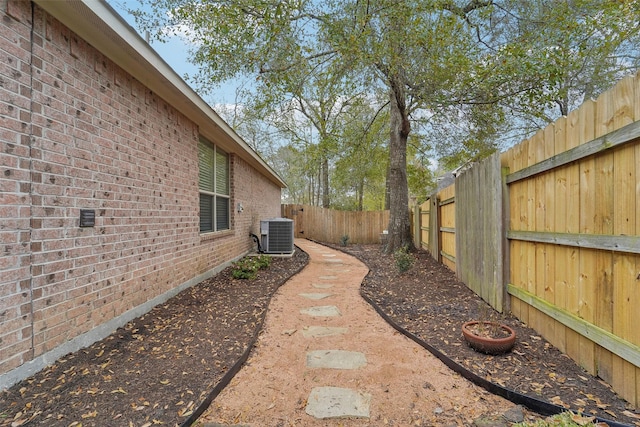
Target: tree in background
[[548, 56], [300, 170], [404, 47], [316, 99], [360, 171]]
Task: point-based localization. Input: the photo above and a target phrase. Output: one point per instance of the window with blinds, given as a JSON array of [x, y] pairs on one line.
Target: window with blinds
[[214, 187]]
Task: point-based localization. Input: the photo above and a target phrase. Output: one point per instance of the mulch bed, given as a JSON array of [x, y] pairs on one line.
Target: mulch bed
[[429, 302], [157, 369]]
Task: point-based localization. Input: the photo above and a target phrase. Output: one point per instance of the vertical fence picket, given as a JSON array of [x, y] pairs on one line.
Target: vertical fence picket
[[516, 195], [559, 214], [624, 185], [635, 299], [604, 207], [548, 221], [588, 273], [571, 259]]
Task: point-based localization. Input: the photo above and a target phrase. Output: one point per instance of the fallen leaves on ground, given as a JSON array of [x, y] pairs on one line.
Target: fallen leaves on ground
[[163, 364], [158, 368], [431, 303]]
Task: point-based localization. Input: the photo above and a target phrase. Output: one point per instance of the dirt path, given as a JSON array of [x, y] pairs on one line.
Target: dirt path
[[403, 383]]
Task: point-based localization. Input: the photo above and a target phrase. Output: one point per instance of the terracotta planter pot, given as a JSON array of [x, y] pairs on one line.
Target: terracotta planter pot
[[484, 343]]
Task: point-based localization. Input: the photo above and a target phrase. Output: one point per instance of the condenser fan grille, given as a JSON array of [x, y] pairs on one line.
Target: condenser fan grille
[[277, 235]]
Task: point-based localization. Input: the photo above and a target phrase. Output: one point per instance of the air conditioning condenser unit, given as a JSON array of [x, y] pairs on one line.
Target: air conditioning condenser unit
[[276, 235]]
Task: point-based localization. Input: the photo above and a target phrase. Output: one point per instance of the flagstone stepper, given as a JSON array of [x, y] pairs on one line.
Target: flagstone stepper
[[322, 311], [322, 331], [315, 296], [336, 402], [336, 359]]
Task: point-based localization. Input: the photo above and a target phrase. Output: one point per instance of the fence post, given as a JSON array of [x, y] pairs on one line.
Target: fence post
[[417, 225], [434, 228], [506, 246]]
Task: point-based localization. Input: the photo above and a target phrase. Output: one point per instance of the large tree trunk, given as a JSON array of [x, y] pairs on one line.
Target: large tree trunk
[[399, 223]]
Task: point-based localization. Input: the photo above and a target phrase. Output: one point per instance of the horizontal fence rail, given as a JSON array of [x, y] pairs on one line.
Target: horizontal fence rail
[[598, 145], [627, 244]]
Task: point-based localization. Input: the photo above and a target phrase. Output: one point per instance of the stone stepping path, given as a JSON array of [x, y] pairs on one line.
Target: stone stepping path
[[320, 365], [331, 260], [322, 331], [322, 285], [333, 402]]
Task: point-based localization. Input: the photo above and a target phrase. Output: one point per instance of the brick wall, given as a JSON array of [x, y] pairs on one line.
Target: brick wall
[[78, 133], [15, 200]]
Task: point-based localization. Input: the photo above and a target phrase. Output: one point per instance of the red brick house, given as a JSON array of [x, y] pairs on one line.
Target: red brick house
[[119, 185]]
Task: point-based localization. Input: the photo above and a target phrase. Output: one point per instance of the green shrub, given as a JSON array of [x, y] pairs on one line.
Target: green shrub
[[344, 240], [565, 419], [247, 267], [263, 260], [404, 259]]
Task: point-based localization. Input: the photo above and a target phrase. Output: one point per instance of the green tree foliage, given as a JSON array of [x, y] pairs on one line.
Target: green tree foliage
[[315, 100], [466, 74], [301, 173], [360, 171], [547, 57]]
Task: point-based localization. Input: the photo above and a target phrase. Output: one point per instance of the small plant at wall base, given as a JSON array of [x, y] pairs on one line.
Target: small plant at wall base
[[247, 267], [344, 240], [404, 259], [263, 261], [565, 419]]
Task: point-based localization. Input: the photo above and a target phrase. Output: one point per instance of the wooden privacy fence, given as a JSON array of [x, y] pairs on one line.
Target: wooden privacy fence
[[328, 225], [550, 229], [479, 251], [435, 226]]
